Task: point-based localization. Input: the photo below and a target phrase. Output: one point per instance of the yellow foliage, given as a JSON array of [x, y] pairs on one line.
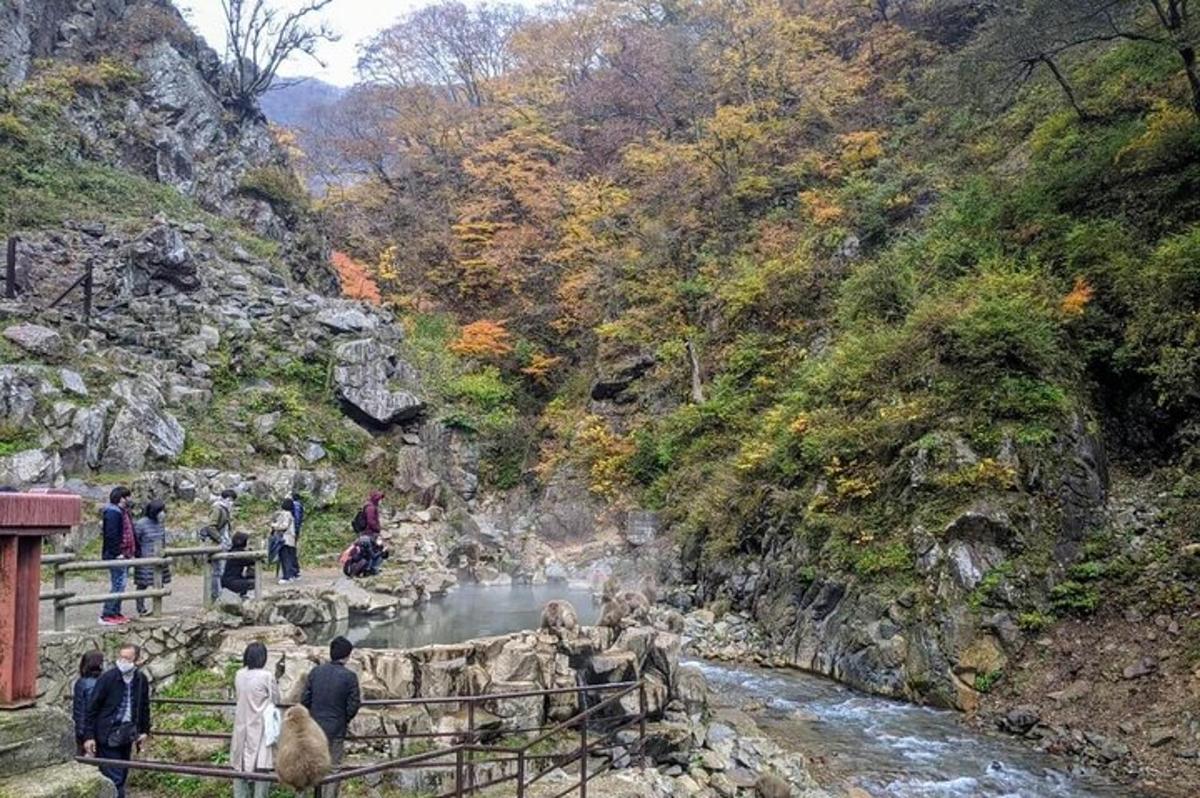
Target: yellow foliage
[[1170, 135], [799, 426], [821, 210], [861, 148], [488, 340], [1075, 302]]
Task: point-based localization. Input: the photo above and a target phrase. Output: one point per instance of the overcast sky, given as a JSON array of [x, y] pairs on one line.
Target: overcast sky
[[355, 20]]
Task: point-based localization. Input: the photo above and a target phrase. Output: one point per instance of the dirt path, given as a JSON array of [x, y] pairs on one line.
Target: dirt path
[[186, 597]]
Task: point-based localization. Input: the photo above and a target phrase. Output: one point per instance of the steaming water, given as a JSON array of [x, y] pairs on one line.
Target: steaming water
[[889, 748], [894, 749], [469, 611]]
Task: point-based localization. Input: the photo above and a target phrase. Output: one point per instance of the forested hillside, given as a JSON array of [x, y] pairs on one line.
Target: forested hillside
[[873, 301]]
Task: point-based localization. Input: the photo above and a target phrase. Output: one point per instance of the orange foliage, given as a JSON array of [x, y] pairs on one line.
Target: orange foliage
[[1074, 303], [355, 279], [540, 366], [483, 339]]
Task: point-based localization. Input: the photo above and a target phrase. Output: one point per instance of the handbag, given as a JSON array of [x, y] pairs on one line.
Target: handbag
[[121, 735], [272, 722]]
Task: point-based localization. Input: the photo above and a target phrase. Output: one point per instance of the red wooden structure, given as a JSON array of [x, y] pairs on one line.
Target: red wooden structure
[[25, 518]]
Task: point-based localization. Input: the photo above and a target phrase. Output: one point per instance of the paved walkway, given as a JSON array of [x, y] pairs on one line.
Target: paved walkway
[[186, 595]]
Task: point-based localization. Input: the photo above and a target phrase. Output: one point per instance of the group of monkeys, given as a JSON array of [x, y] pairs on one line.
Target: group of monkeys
[[302, 759]]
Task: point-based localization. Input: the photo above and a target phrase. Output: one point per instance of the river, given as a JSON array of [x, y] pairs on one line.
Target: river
[[889, 748]]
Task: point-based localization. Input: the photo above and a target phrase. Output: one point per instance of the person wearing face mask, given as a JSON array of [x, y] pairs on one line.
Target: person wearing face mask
[[118, 716], [151, 540]]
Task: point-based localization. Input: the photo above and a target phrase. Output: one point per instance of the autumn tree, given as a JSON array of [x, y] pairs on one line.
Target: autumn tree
[[449, 46]]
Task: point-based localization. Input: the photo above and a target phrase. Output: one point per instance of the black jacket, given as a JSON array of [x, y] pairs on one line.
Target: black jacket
[[104, 709], [81, 697], [112, 530], [331, 695]]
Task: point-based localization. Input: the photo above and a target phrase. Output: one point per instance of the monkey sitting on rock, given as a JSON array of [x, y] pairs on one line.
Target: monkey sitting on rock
[[302, 758], [559, 616]]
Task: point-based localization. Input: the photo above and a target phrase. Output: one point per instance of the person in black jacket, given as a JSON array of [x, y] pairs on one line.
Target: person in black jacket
[[332, 697], [91, 665], [239, 574], [118, 716], [116, 530]]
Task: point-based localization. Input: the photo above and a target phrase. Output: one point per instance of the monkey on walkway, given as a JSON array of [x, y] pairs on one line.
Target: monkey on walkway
[[302, 758]]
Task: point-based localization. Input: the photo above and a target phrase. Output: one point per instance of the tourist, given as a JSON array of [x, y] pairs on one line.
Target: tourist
[[371, 511], [252, 748], [298, 517], [118, 716], [151, 537], [363, 557], [118, 543], [220, 531], [331, 695], [239, 574], [283, 524], [91, 665]]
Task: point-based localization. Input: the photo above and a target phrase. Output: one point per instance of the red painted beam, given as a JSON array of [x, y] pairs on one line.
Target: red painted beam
[[25, 518]]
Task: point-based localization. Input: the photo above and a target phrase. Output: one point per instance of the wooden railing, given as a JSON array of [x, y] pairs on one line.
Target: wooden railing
[[466, 752], [64, 564]]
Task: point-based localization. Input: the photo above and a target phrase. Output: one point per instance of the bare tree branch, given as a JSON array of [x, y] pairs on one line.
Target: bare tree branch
[[259, 41]]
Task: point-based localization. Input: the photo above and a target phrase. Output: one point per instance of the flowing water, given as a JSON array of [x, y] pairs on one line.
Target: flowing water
[[889, 748], [894, 749]]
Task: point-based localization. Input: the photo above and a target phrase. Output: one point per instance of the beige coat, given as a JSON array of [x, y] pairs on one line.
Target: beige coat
[[256, 692], [284, 523]]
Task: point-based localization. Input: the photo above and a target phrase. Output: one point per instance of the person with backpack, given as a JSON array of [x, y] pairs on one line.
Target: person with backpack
[[220, 532], [371, 511], [298, 517], [119, 543]]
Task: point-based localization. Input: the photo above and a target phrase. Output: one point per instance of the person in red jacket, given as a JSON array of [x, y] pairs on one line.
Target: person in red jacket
[[372, 513]]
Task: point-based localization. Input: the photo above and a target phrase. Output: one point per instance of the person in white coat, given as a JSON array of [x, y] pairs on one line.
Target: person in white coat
[[257, 696]]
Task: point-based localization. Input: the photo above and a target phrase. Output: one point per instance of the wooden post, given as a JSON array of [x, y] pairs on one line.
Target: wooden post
[[60, 612], [521, 773], [583, 755], [471, 741], [206, 570], [258, 564], [25, 518], [458, 773], [158, 583], [10, 270], [642, 722], [87, 294]]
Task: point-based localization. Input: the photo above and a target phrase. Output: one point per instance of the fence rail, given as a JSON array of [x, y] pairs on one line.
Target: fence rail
[[465, 754], [67, 563]]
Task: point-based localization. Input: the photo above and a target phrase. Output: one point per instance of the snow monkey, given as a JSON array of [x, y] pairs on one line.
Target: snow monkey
[[559, 615], [302, 759]]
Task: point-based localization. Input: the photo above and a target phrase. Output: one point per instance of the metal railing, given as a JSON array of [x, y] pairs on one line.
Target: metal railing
[[466, 754], [64, 564]]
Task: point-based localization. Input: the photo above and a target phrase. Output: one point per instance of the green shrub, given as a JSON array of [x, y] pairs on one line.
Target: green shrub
[[1075, 598], [277, 185], [1035, 621]]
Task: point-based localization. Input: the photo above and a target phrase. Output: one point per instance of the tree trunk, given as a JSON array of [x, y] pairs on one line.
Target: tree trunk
[[697, 385], [1066, 86], [1188, 54]]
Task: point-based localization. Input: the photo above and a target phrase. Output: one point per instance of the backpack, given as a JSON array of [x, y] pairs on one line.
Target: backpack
[[359, 524]]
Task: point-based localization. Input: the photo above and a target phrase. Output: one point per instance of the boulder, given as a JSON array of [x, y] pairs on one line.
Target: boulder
[[642, 527], [68, 780], [72, 382], [613, 385], [37, 340], [346, 319], [142, 429], [32, 467], [161, 254], [373, 385], [34, 738]]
